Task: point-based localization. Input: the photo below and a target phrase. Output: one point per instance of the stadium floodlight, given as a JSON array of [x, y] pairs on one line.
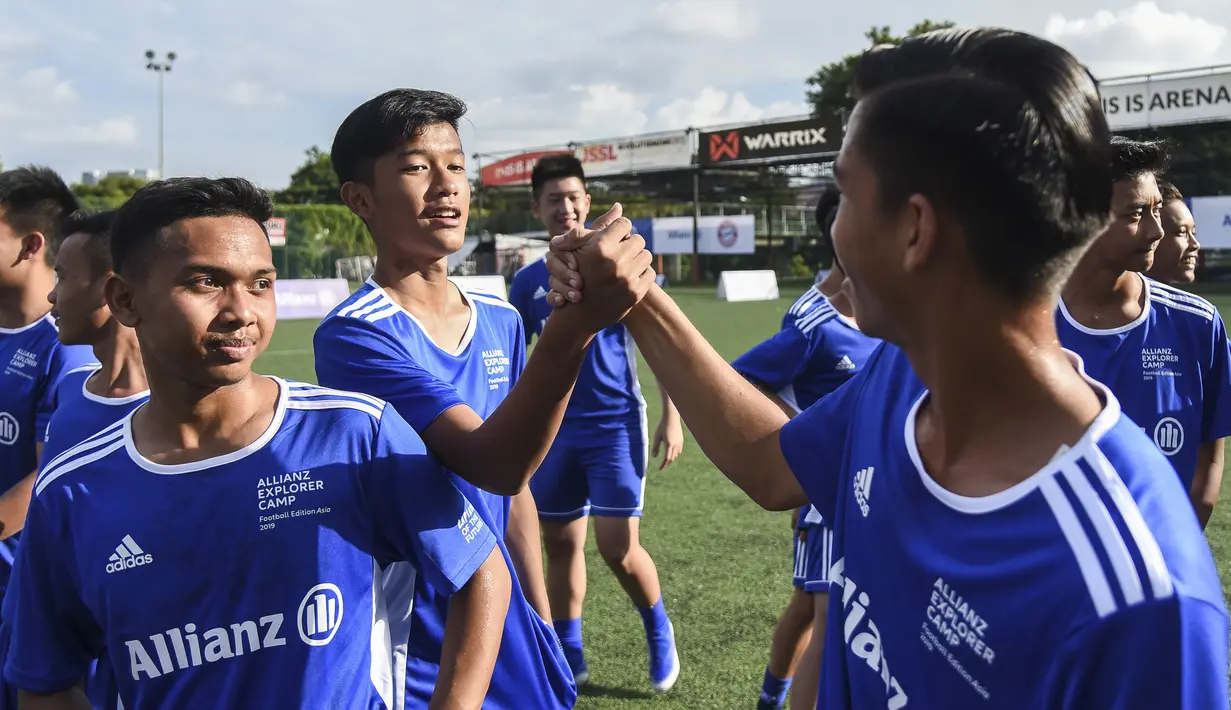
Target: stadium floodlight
[[161, 67]]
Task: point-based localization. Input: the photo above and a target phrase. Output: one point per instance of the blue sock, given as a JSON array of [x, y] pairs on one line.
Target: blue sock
[[773, 690], [655, 617], [569, 631]]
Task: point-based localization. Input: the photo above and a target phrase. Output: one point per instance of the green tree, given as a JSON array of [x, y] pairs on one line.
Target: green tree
[[314, 182], [108, 193], [831, 91]]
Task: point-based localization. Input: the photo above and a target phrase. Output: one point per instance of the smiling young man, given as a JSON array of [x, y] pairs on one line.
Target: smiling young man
[[451, 362], [1175, 257], [33, 202], [1163, 351], [1004, 536], [598, 463], [307, 494]]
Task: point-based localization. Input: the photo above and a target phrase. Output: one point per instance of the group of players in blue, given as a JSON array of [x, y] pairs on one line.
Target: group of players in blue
[[978, 419]]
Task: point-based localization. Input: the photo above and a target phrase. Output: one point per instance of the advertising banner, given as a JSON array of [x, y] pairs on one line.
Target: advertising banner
[[515, 170], [275, 227], [769, 142], [1167, 101], [637, 154], [308, 298], [717, 234], [1213, 218]]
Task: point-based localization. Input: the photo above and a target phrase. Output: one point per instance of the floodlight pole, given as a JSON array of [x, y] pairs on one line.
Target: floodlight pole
[[161, 67]]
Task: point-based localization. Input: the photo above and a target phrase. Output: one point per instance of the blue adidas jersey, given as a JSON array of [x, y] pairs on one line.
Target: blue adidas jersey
[[607, 386], [371, 344], [80, 413], [1170, 369], [34, 362], [251, 579], [1088, 585], [816, 351]]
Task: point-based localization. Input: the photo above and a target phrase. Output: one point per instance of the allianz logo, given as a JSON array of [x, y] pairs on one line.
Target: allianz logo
[[318, 619]]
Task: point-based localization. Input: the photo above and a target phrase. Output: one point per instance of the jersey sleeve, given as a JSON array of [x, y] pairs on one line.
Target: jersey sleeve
[[358, 356], [814, 442], [521, 297], [54, 635], [1170, 653], [1216, 399], [778, 361], [64, 359], [419, 514]]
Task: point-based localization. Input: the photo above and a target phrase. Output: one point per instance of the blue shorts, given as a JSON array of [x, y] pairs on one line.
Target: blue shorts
[[813, 557], [595, 466]]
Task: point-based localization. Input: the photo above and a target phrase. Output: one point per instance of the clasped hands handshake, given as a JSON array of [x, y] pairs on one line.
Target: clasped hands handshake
[[608, 262]]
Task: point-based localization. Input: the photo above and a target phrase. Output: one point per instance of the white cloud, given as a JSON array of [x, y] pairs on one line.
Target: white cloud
[[713, 106], [253, 93], [605, 107], [1139, 39], [719, 19], [45, 84], [109, 132]]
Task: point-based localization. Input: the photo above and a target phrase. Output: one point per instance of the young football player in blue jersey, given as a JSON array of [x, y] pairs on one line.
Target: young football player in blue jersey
[[1004, 535], [452, 361], [817, 350], [1175, 257], [308, 494], [598, 463], [33, 201], [92, 397], [1163, 351]]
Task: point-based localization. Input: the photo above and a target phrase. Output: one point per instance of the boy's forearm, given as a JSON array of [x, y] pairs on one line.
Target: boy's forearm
[[473, 631], [736, 426], [501, 453]]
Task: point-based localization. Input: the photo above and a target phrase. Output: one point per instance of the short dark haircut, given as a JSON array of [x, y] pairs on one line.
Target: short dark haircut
[[555, 167], [1131, 159], [1000, 129], [96, 226], [142, 221], [1171, 193], [385, 122], [36, 199], [826, 213]]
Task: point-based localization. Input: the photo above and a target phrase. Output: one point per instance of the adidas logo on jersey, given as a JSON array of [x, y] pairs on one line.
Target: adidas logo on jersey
[[128, 554], [863, 488], [540, 293], [844, 365]]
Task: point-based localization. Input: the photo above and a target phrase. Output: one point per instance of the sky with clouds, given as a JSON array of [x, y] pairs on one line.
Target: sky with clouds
[[257, 82]]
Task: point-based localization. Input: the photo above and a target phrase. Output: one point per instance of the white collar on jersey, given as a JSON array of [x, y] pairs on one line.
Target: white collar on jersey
[[1145, 313], [470, 327], [173, 469], [1105, 420]]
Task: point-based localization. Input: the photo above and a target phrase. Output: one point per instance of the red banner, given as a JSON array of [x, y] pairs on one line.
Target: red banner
[[515, 170]]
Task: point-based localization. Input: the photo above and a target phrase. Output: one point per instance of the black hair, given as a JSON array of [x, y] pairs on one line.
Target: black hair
[[555, 167], [96, 226], [36, 199], [826, 213], [143, 220], [385, 122], [1000, 129], [1131, 159], [1170, 192]]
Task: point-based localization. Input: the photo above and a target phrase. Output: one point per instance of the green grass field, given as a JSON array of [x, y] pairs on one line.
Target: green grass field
[[724, 562]]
